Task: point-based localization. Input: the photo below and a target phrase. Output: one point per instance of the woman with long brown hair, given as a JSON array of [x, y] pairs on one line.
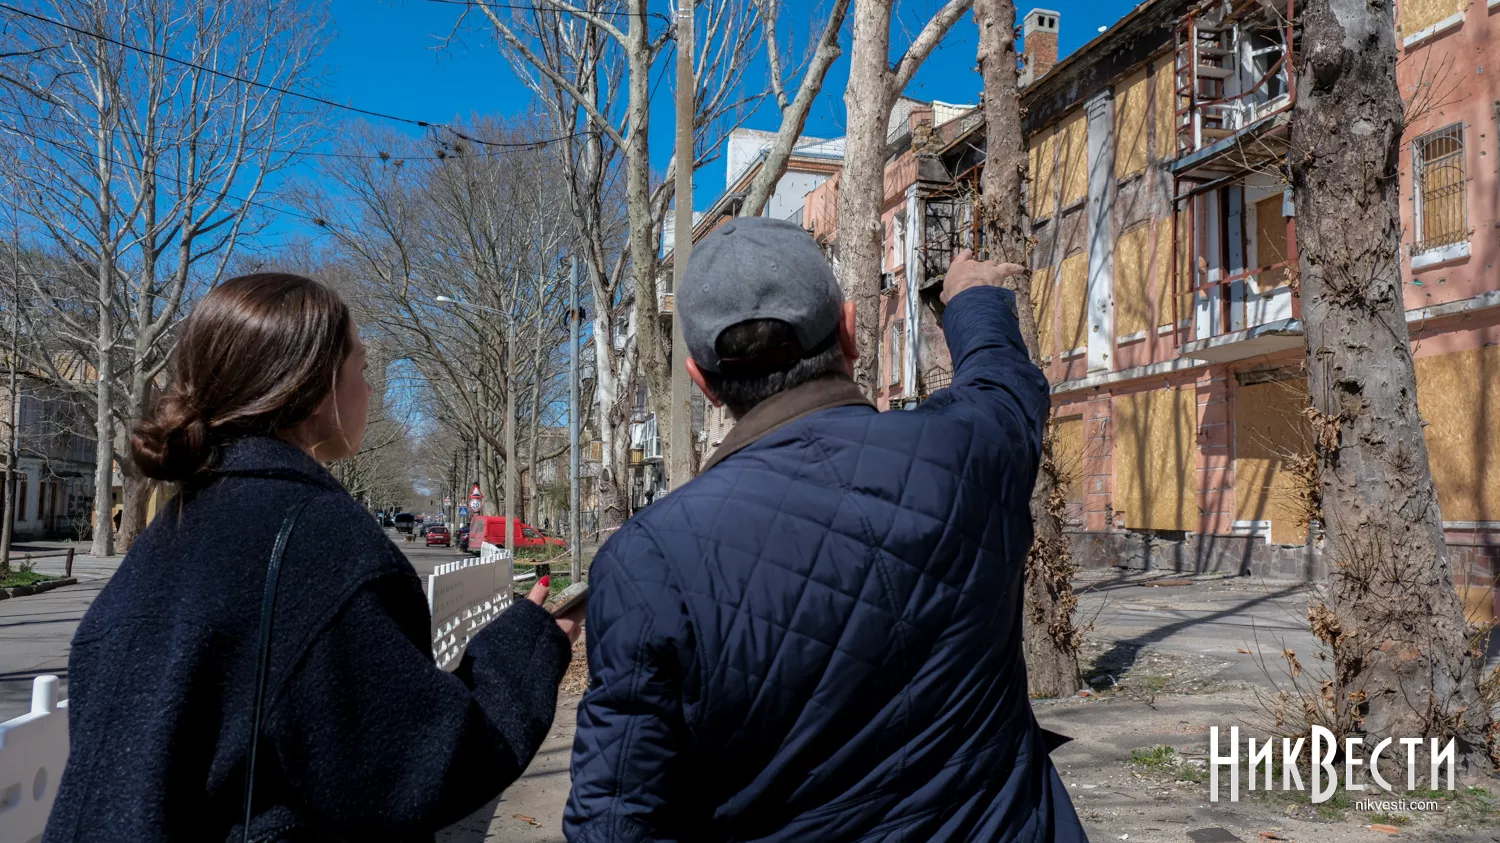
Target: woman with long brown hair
[[263, 651]]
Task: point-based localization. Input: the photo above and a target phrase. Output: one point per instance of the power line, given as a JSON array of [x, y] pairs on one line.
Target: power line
[[556, 9], [384, 156], [276, 88], [222, 193]]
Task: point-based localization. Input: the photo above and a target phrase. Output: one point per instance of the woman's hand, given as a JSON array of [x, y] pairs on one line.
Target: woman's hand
[[572, 623]]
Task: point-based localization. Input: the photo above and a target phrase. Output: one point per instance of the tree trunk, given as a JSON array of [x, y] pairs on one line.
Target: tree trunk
[[135, 497], [650, 347], [862, 186], [1404, 664], [1050, 638]]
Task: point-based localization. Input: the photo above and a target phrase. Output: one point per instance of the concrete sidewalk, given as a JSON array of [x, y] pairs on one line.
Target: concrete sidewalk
[[36, 631]]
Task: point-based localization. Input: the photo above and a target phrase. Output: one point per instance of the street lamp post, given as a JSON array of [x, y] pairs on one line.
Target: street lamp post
[[576, 568]]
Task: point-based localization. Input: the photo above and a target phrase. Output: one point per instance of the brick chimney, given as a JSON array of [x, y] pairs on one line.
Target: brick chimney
[[1039, 39]]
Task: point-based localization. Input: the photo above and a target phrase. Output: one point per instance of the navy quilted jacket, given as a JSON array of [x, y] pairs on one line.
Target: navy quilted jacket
[[819, 639]]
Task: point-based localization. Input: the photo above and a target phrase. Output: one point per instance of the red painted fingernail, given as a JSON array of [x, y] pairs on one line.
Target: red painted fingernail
[[544, 581]]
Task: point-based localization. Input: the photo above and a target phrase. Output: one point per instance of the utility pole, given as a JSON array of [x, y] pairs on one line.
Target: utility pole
[[510, 428], [679, 470], [576, 569]]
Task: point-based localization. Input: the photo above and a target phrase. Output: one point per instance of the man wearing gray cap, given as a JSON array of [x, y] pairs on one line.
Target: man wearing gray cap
[[819, 638]]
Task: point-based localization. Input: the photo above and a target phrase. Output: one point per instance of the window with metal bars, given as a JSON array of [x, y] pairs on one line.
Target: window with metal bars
[[1441, 188]]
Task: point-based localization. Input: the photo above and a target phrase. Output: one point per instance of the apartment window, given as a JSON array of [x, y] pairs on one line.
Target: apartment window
[[21, 499], [885, 250], [898, 362], [1442, 187], [900, 238]]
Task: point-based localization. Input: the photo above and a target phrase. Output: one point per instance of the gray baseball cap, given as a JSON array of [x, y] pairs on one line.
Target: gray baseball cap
[[758, 268]]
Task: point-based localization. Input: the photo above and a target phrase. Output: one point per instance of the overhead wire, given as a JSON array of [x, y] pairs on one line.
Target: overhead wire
[[384, 156], [426, 124], [557, 9]]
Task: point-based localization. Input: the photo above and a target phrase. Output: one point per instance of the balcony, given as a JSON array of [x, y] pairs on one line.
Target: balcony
[[1248, 314], [1234, 86], [650, 442]]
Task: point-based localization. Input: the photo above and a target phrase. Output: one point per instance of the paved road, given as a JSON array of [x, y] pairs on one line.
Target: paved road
[[35, 632]]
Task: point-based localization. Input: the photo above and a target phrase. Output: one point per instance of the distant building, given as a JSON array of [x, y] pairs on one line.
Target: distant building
[[55, 469]]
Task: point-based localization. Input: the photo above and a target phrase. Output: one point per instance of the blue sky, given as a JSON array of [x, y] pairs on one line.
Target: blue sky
[[388, 55]]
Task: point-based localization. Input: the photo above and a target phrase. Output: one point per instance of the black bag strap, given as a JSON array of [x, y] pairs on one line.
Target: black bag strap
[[263, 657]]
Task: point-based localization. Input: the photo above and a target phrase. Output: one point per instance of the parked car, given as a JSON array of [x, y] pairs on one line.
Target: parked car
[[491, 528], [437, 534], [405, 522]]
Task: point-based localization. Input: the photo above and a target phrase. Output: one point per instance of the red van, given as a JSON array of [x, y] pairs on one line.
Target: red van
[[491, 528]]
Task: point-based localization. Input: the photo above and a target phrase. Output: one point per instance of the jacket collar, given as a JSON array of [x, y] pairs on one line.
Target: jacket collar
[[266, 456], [783, 408]]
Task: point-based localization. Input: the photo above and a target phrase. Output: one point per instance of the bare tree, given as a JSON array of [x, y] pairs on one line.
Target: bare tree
[[874, 86], [793, 111], [593, 79], [143, 173], [1050, 638], [1404, 661], [480, 225]]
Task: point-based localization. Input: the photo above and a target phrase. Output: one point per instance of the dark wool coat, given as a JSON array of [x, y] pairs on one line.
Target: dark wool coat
[[819, 638], [366, 738]]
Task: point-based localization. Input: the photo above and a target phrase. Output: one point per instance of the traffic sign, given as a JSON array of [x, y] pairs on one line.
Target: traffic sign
[[447, 501], [474, 493], [463, 512]]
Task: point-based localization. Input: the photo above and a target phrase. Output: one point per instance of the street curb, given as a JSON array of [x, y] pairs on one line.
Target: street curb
[[39, 588]]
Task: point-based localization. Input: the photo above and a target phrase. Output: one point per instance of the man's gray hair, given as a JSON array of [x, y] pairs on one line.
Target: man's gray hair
[[751, 339]]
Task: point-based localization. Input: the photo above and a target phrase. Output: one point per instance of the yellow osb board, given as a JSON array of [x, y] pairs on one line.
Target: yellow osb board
[[1161, 275], [1459, 397], [1043, 186], [1163, 106], [1043, 296], [1067, 454], [1155, 458], [1417, 15], [1130, 125], [1132, 281], [1269, 428], [1072, 305], [1072, 157]]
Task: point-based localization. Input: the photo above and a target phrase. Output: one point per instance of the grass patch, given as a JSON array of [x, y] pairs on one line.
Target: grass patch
[[1471, 807], [24, 577], [1192, 773], [1389, 819], [1154, 758]]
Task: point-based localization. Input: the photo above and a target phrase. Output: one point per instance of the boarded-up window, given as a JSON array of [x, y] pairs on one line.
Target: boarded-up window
[[1441, 184], [1417, 15], [1072, 158], [1459, 397], [1043, 296], [1270, 432], [1133, 282], [1163, 108], [1131, 125], [1270, 234], [1073, 295], [1067, 456], [1043, 178], [1155, 458]]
